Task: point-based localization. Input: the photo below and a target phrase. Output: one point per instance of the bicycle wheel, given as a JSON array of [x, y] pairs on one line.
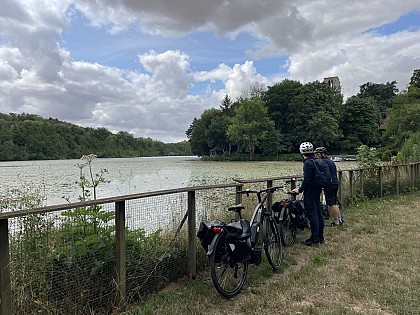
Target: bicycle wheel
[[287, 228], [227, 276], [273, 246]]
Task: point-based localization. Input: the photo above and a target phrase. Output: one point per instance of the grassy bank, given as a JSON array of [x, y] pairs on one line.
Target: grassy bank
[[369, 266]]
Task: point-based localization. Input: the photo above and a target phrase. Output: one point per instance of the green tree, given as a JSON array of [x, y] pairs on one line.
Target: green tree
[[415, 79], [31, 137], [216, 132], [226, 103], [250, 125], [358, 122], [410, 150], [278, 98], [314, 115], [198, 134], [403, 118], [383, 95]]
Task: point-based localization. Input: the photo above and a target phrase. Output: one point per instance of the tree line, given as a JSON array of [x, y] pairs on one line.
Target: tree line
[[269, 122], [31, 137]]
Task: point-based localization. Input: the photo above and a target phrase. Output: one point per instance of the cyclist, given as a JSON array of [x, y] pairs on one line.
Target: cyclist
[[311, 196], [330, 191]]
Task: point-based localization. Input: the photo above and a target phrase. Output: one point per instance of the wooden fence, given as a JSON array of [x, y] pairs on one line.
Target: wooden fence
[[355, 183]]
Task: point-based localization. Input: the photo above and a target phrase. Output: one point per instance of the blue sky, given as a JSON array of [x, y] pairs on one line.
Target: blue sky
[[150, 67]]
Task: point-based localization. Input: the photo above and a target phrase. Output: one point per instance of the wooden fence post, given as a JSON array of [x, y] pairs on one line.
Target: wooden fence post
[[381, 182], [270, 196], [292, 184], [192, 247], [417, 172], [238, 197], [397, 180], [340, 191], [351, 183], [412, 175], [120, 251], [5, 283], [361, 182]]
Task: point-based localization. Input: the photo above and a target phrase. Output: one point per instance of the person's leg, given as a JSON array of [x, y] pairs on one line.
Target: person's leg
[[331, 199], [335, 212], [320, 217], [311, 211]]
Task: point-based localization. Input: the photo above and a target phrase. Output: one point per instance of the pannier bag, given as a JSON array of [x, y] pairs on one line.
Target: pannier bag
[[205, 233], [238, 230], [238, 236], [276, 207], [298, 213]]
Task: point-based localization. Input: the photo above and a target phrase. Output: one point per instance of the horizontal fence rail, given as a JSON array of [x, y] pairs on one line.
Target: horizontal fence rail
[[97, 256]]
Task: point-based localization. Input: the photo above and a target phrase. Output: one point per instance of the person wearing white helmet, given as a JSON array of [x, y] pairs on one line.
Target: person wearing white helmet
[[311, 196]]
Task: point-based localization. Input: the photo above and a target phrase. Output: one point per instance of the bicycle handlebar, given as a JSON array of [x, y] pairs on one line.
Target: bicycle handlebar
[[259, 191]]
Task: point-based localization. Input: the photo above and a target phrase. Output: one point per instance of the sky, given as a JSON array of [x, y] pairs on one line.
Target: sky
[[149, 67]]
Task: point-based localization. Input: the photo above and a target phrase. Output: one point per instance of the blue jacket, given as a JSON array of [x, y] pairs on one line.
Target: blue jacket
[[333, 170], [308, 177]]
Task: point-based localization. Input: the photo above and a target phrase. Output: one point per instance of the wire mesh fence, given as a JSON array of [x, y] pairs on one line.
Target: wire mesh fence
[[64, 262]]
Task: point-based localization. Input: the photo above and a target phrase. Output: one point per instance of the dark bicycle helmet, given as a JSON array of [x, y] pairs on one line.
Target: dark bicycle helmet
[[321, 150]]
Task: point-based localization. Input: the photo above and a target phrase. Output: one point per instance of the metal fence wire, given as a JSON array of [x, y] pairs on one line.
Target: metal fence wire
[[64, 259]]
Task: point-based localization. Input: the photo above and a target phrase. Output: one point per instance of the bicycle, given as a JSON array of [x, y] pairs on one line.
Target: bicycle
[[290, 216], [234, 245]]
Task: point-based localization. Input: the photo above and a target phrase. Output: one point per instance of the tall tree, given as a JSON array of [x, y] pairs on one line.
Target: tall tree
[[403, 118], [314, 114], [383, 95], [415, 79], [249, 125], [198, 134], [216, 133], [226, 103], [358, 122], [255, 90], [278, 98]]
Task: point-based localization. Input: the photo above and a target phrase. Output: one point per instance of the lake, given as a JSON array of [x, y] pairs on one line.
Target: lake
[[57, 178]]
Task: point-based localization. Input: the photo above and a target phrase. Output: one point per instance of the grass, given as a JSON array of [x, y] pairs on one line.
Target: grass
[[371, 265]]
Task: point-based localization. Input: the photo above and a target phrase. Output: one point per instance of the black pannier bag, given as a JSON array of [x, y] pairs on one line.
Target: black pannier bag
[[297, 210], [276, 207], [205, 233], [238, 236]]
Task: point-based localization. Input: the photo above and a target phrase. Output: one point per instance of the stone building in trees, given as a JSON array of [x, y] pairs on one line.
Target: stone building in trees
[[333, 82]]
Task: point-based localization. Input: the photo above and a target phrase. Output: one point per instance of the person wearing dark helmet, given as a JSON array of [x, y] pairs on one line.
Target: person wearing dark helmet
[[311, 196], [331, 190]]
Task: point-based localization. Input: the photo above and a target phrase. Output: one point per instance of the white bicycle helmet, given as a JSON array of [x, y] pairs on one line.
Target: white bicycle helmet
[[306, 147]]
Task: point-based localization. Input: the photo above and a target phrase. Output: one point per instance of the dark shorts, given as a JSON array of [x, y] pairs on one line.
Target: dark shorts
[[330, 193]]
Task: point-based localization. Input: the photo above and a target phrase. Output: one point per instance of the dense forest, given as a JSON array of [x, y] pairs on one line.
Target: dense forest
[[31, 137], [267, 123]]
